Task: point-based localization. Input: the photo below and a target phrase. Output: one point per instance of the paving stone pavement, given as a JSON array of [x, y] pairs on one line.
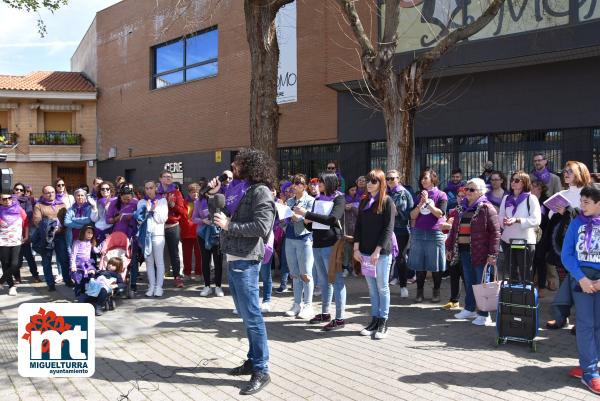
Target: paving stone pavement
[[179, 347]]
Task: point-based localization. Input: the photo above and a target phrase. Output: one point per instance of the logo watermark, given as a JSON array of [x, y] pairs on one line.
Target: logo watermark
[[56, 340]]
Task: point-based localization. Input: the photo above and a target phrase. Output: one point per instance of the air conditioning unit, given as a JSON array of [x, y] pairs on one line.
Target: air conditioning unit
[[112, 152]]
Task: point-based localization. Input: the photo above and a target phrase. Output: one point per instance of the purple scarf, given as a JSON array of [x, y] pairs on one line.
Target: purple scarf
[[515, 202], [79, 209], [43, 201], [433, 194], [370, 201], [589, 222], [359, 193], [10, 214], [396, 189], [465, 204], [452, 187], [543, 175], [284, 186], [349, 199], [103, 201], [493, 200], [329, 198], [234, 193], [160, 190], [60, 197]]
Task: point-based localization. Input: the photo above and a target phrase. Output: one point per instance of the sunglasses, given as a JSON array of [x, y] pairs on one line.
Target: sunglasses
[[105, 189], [391, 178], [330, 168], [471, 189], [299, 183], [374, 181], [516, 180], [60, 185], [19, 190]]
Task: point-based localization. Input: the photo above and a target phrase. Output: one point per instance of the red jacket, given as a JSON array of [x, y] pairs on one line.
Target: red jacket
[[187, 226], [485, 235], [177, 207]]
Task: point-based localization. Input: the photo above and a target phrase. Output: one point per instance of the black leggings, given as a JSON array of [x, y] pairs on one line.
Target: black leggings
[[455, 276], [217, 258], [437, 280], [9, 257]]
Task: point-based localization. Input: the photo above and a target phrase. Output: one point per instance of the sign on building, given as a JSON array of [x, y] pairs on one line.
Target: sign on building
[[287, 81], [176, 168]]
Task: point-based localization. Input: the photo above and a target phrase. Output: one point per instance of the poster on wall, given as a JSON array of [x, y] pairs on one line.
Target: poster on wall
[[287, 70], [176, 168]]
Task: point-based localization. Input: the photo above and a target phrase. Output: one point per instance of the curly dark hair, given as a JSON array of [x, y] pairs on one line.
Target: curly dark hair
[[256, 166]]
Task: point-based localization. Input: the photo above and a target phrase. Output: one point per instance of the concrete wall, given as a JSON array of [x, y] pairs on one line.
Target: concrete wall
[[85, 57]]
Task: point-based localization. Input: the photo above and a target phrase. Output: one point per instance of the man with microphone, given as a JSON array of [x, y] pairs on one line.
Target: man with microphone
[[250, 205]]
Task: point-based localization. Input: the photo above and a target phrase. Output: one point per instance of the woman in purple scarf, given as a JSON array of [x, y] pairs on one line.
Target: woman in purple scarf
[[83, 212], [106, 196], [62, 196], [13, 232], [498, 190], [474, 238], [120, 212], [427, 253]]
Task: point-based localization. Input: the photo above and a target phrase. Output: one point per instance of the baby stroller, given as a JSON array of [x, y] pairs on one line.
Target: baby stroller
[[118, 245]]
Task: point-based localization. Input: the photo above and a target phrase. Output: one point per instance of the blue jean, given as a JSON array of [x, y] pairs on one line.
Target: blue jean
[[588, 329], [267, 279], [471, 275], [243, 284], [379, 289], [62, 260], [283, 266], [299, 254], [321, 256]]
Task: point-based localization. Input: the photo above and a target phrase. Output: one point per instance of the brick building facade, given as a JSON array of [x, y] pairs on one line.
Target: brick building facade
[[48, 128]]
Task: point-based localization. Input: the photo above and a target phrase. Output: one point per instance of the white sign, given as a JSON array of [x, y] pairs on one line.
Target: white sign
[[287, 70], [324, 208], [56, 340], [283, 211], [176, 169]]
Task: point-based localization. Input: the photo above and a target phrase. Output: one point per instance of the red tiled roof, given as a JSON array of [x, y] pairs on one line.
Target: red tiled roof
[[49, 81]]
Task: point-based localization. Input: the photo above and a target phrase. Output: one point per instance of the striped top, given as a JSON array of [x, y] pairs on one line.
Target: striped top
[[464, 228]]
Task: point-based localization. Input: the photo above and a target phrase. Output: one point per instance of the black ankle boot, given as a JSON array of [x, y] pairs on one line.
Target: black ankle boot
[[381, 329], [370, 329], [256, 383], [243, 369]]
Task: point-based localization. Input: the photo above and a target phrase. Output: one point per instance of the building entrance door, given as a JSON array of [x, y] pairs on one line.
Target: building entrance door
[[74, 177]]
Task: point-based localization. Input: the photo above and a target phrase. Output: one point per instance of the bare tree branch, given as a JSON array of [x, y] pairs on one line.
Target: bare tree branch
[[349, 9]]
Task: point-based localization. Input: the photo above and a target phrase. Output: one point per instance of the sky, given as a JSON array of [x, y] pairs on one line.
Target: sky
[[22, 50]]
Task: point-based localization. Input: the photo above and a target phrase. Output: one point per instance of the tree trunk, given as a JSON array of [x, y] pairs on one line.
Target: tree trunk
[[264, 56]]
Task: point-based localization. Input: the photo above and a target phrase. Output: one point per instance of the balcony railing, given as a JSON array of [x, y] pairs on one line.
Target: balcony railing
[[7, 138], [54, 138]]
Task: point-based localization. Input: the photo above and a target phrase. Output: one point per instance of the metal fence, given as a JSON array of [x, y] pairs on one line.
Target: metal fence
[[308, 160], [596, 149], [508, 151], [54, 138]]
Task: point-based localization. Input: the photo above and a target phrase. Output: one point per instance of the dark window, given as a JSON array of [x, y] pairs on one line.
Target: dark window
[[186, 59], [596, 145]]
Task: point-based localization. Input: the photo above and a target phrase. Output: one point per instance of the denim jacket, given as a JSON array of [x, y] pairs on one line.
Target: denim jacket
[[307, 203], [250, 225]]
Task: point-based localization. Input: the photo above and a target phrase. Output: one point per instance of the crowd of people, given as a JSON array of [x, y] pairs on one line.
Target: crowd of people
[[325, 230]]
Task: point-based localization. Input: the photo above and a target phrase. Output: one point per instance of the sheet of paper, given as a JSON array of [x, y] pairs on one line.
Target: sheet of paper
[[283, 211], [324, 208], [555, 201]]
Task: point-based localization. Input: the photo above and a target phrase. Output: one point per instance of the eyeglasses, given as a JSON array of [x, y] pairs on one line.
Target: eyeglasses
[[299, 183], [516, 180], [330, 168], [568, 171], [19, 190], [471, 189], [374, 181], [60, 185], [105, 189], [391, 178]]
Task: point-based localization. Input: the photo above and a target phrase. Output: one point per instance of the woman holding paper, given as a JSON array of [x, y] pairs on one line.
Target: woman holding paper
[[576, 176], [373, 246], [298, 250], [325, 221], [427, 251], [519, 215]]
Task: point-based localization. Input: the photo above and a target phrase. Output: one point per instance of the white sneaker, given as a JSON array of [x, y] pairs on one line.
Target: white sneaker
[[150, 292], [483, 321], [234, 311], [403, 292], [219, 292], [294, 311], [265, 307], [158, 292], [394, 281], [12, 291], [306, 312], [206, 291], [465, 314]]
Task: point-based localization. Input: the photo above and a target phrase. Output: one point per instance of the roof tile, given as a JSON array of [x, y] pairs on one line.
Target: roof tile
[[48, 81]]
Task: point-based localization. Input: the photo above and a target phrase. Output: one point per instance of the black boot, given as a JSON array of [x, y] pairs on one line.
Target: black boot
[[111, 303], [436, 295], [98, 310], [419, 295], [381, 329], [243, 369], [370, 329], [257, 382]]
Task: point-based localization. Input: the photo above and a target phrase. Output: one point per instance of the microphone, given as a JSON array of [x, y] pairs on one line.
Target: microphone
[[216, 204], [204, 191]]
